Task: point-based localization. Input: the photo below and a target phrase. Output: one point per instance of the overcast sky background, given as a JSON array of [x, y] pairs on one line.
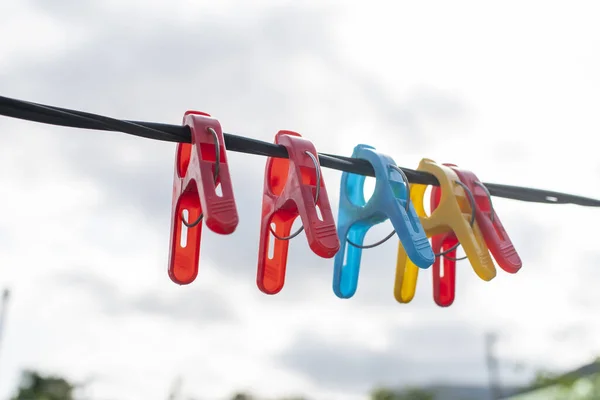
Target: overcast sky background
[[510, 91]]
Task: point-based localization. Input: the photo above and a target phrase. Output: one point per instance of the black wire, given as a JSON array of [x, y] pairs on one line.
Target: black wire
[[78, 119], [176, 133]]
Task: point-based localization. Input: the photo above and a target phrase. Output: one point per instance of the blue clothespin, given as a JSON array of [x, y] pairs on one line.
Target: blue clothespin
[[356, 217]]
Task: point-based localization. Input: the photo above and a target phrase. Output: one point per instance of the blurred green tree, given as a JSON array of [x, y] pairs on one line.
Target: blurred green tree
[[409, 393], [581, 384], [35, 386], [383, 394]]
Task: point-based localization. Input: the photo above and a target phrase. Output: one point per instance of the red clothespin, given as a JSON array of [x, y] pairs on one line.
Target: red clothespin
[[200, 167], [492, 230], [491, 227], [444, 284], [293, 187]]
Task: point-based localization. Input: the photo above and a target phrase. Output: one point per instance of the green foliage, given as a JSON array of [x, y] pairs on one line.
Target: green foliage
[[383, 394], [409, 393], [34, 386], [575, 385]]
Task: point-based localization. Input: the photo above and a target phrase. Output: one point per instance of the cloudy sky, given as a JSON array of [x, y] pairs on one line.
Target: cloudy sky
[[510, 91]]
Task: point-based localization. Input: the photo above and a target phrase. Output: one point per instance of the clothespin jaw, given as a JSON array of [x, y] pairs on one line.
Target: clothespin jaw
[[293, 187], [405, 285], [444, 280], [448, 216], [491, 227], [200, 167], [356, 216]]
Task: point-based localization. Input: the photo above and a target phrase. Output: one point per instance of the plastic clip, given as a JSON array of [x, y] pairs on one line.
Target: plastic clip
[[356, 216], [199, 169], [453, 214], [293, 187], [444, 281], [492, 230], [491, 227]]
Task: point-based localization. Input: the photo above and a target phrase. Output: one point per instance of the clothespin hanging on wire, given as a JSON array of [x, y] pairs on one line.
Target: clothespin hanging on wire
[[492, 230], [454, 213], [293, 187], [200, 169], [356, 216]]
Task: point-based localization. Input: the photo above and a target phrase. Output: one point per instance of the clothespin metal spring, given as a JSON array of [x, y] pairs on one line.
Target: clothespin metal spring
[[317, 192], [472, 201]]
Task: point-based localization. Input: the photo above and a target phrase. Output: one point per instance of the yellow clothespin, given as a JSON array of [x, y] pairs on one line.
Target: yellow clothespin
[[452, 214]]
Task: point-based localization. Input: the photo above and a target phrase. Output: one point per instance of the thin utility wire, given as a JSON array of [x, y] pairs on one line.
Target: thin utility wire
[[177, 133]]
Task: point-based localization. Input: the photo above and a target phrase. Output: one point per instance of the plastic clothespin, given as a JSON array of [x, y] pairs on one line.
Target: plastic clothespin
[[200, 167], [356, 216], [491, 227], [453, 214], [492, 230], [444, 284], [293, 187]]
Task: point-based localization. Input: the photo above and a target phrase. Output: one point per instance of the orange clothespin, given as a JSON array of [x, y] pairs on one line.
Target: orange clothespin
[[200, 167], [453, 214]]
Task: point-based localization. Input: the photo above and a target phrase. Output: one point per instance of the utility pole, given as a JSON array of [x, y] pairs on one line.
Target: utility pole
[[492, 366]]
